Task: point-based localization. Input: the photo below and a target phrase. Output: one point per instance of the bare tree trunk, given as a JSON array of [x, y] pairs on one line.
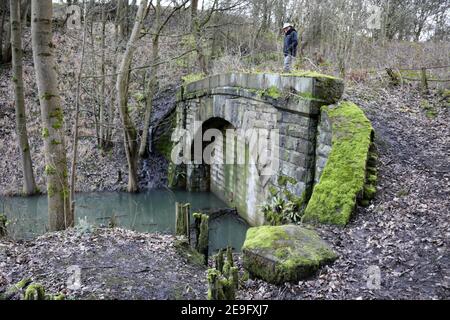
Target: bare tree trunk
[[129, 130], [73, 172], [152, 84], [6, 49], [2, 26], [194, 11], [52, 116], [196, 30], [121, 12], [102, 122], [24, 13], [29, 184]]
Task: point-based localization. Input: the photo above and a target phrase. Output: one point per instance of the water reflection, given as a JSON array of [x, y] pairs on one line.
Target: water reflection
[[144, 212]]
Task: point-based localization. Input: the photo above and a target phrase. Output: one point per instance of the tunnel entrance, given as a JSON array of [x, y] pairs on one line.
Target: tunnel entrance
[[210, 158]]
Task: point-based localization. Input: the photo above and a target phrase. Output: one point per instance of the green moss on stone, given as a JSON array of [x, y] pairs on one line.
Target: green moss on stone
[[34, 291], [372, 179], [264, 237], [372, 170], [369, 192], [272, 92], [309, 74], [22, 283], [192, 77], [344, 176], [284, 253]]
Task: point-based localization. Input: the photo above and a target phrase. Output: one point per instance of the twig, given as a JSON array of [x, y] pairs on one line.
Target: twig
[[140, 67]]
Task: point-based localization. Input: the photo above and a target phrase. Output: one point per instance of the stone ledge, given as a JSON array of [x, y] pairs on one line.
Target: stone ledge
[[309, 86]]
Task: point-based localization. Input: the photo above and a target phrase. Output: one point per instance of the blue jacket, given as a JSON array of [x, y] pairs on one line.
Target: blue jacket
[[290, 43]]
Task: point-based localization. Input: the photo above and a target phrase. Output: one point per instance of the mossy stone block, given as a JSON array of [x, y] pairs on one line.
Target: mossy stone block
[[344, 176], [289, 253]]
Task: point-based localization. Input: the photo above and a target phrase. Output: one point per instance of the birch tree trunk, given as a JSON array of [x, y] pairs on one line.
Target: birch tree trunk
[[73, 171], [105, 113], [129, 130], [152, 84], [29, 184], [52, 116]]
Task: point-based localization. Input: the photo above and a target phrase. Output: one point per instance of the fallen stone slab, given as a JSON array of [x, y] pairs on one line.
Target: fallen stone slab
[[289, 253]]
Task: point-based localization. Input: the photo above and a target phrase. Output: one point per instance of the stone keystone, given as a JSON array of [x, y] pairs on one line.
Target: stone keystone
[[289, 253]]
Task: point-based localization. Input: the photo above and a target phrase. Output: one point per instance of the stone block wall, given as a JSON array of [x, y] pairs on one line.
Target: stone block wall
[[288, 104], [323, 144]]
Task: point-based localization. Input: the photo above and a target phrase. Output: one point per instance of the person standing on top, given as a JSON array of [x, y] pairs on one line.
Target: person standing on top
[[290, 46]]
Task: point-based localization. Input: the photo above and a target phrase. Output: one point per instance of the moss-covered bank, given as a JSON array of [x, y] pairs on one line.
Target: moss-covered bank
[[344, 177]]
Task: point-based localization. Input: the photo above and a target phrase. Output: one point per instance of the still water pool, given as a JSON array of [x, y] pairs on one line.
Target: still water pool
[[152, 211]]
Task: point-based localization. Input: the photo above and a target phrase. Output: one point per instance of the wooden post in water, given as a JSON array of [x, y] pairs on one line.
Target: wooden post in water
[[202, 231], [187, 213], [182, 220], [219, 260], [179, 226]]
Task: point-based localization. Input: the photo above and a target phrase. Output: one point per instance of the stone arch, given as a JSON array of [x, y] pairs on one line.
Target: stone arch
[[207, 152], [283, 103]]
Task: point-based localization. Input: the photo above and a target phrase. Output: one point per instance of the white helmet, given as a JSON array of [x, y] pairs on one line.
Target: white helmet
[[287, 25]]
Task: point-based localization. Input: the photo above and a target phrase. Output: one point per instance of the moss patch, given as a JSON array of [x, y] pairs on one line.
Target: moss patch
[[264, 237], [344, 176], [34, 291], [287, 253], [192, 77], [272, 92], [309, 74]]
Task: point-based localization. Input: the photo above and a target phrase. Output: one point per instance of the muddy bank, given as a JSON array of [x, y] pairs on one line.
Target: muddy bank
[[113, 263]]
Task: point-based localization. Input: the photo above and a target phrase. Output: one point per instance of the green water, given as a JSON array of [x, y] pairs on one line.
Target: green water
[[153, 211]]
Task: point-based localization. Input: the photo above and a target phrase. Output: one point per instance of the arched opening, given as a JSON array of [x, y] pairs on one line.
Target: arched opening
[[211, 164]]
